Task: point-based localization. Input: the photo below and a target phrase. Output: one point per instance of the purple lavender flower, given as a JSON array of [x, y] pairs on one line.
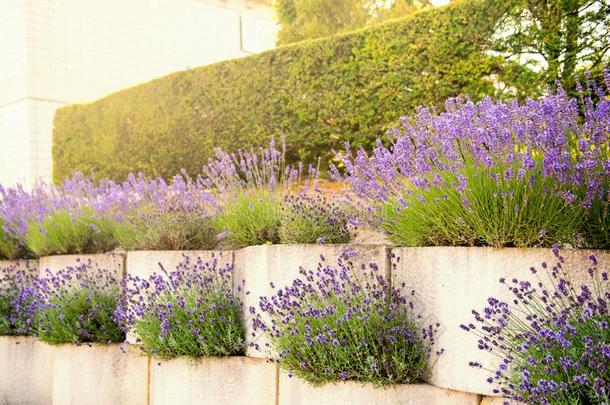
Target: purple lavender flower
[[552, 343], [18, 300], [188, 311], [339, 322], [479, 174], [76, 304]]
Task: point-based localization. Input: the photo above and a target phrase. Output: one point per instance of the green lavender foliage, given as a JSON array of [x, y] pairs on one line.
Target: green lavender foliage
[[501, 212], [177, 230], [65, 232], [250, 219]]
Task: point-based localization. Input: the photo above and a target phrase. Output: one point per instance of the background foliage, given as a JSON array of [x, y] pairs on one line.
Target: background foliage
[[317, 94], [554, 39], [308, 19]]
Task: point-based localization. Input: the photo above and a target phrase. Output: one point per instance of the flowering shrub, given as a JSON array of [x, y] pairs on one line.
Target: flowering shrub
[[239, 199], [76, 305], [266, 201], [189, 311], [63, 232], [9, 246], [553, 345], [230, 173], [17, 300], [178, 216], [176, 230], [307, 218], [250, 219], [492, 173], [332, 324]]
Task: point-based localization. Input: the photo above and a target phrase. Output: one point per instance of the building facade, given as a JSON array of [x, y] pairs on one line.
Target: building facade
[[58, 52]]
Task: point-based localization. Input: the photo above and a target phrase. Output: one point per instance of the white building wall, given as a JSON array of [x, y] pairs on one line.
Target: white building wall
[[57, 52]]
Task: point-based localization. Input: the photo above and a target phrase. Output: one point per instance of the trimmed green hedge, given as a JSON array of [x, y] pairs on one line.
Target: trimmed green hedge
[[316, 94]]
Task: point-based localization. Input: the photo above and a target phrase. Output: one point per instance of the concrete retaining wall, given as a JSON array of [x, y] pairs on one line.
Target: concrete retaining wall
[[452, 281], [104, 374], [213, 381], [144, 263], [293, 391], [113, 262], [98, 374], [26, 367]]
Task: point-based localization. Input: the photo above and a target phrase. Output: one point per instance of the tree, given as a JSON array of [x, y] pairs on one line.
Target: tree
[[556, 38], [308, 19]]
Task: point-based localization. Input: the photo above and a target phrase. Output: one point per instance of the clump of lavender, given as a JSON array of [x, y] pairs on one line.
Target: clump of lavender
[[244, 170], [492, 173], [333, 324], [252, 186], [80, 216], [173, 230], [175, 216], [249, 219], [311, 218], [10, 248], [76, 305], [190, 311], [65, 232], [553, 345], [17, 300]]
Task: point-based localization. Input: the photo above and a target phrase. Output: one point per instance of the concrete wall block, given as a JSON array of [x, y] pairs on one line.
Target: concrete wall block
[[25, 372], [11, 266], [294, 391], [144, 263], [258, 266], [113, 262], [99, 374], [452, 281], [28, 265], [499, 401], [211, 381]]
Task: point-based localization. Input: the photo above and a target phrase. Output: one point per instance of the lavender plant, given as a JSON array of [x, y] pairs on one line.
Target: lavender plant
[[492, 173], [266, 169], [333, 324], [190, 311], [76, 305], [64, 232], [177, 230], [17, 300], [10, 247], [552, 344], [250, 219], [312, 218]]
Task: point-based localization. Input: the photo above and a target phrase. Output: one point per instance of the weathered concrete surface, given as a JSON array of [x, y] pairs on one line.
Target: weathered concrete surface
[[452, 281], [293, 391], [144, 263], [25, 371], [256, 267], [113, 262], [99, 374], [8, 268], [29, 265], [499, 401], [213, 381]]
